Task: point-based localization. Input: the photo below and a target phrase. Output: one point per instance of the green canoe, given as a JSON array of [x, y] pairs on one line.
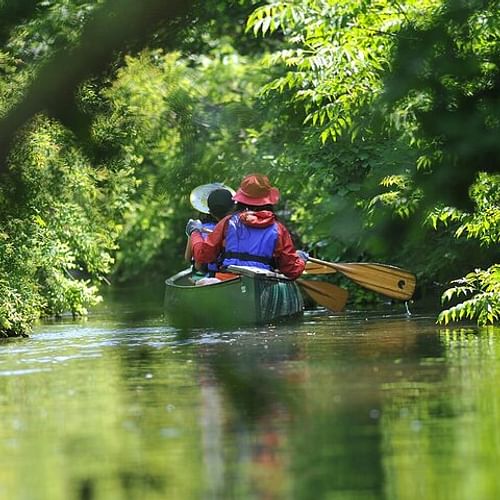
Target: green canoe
[[253, 297]]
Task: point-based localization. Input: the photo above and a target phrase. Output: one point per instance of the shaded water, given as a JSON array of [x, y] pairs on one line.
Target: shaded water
[[356, 406]]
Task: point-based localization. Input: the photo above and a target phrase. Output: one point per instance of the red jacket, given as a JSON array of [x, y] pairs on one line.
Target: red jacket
[[288, 262]]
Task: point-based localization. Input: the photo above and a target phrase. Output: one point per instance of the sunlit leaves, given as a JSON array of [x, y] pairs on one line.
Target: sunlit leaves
[[479, 291], [481, 288], [444, 215], [56, 23], [339, 50], [484, 223], [483, 226], [59, 218], [270, 17], [402, 197]]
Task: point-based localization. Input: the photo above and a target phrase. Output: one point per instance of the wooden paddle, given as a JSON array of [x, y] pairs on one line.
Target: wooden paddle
[[314, 268], [325, 294], [387, 280]]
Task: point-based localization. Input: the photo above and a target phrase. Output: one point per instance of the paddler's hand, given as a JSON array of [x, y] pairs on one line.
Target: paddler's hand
[[303, 255], [193, 225]]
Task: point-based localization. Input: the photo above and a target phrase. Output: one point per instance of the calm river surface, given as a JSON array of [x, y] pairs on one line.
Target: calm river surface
[[356, 406]]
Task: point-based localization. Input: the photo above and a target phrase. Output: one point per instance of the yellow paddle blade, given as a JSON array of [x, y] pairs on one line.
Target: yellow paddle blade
[[387, 280], [325, 294]]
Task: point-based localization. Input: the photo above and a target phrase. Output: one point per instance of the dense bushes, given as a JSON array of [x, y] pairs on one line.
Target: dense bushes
[[59, 226], [347, 107]]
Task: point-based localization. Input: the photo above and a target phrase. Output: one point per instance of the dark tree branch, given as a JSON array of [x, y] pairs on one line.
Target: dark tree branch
[[118, 24]]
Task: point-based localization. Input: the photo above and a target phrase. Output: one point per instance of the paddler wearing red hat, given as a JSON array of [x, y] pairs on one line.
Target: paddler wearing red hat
[[252, 236]]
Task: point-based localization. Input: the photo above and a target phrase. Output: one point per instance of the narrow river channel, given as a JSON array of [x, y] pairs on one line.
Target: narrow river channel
[[355, 406]]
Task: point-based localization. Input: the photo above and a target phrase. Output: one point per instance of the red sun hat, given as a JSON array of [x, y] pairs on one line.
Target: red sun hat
[[256, 190]]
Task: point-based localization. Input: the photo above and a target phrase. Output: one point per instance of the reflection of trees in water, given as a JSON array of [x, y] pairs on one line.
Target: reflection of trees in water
[[442, 423], [309, 417], [246, 405], [347, 410], [340, 442], [211, 422]]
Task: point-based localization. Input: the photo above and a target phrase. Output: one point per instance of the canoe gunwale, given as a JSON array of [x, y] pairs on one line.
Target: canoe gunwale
[[186, 272]]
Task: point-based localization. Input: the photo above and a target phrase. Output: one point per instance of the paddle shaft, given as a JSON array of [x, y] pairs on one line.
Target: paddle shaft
[[312, 268], [387, 280]]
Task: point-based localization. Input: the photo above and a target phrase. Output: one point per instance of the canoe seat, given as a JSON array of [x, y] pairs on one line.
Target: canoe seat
[[255, 271]]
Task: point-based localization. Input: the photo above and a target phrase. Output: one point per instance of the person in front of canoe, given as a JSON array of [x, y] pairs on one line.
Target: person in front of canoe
[[252, 236], [218, 204]]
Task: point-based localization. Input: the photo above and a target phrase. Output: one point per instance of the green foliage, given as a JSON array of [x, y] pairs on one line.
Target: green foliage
[[179, 126], [483, 223], [51, 25], [336, 56], [403, 198], [58, 228], [54, 23], [20, 303], [443, 88], [481, 291], [364, 114]]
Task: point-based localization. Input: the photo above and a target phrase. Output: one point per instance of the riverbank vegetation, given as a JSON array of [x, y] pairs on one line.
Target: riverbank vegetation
[[377, 120]]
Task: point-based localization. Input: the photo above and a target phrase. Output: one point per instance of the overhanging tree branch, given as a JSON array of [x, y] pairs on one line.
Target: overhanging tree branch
[[117, 24]]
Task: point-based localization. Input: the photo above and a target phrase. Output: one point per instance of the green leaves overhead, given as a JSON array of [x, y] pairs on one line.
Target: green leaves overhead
[[336, 56]]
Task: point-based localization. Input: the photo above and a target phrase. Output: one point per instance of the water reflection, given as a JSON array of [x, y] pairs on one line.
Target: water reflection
[[313, 405], [359, 406]]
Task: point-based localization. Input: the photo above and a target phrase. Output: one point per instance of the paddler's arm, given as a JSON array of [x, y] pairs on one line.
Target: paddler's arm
[[287, 259], [188, 254], [208, 250]]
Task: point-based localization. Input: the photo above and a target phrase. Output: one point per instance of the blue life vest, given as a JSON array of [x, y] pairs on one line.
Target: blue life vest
[[249, 245], [207, 225]]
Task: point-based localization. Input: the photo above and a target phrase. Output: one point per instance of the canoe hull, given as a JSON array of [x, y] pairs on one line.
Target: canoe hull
[[245, 300]]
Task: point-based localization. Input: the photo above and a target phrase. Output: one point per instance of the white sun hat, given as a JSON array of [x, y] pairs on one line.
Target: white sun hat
[[199, 195]]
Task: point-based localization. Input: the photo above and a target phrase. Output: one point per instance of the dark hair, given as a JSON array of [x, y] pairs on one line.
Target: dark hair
[[220, 202], [207, 218], [256, 208]]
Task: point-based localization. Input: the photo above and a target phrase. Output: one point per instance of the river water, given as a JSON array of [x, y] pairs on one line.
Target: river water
[[362, 405]]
